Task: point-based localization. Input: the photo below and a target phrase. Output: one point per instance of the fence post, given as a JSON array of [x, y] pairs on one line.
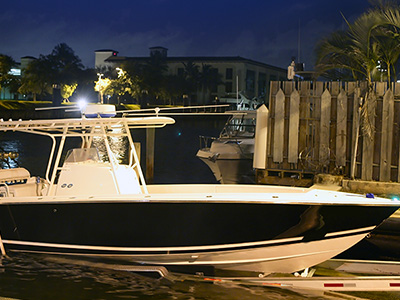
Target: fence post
[[294, 117], [387, 136], [325, 128], [279, 127], [368, 123], [341, 129]]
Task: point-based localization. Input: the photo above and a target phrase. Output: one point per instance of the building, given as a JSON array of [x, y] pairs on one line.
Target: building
[[18, 71], [238, 74]]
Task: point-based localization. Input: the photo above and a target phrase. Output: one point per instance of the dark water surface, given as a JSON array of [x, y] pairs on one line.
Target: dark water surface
[[30, 277], [25, 276]]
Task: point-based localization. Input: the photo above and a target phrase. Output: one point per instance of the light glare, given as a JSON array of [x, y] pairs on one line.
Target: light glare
[[82, 104]]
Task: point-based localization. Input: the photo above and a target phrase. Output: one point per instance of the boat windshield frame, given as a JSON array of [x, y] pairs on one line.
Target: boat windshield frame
[[59, 130], [241, 125]]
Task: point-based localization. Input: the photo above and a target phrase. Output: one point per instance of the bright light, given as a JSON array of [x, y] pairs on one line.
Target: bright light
[[120, 72], [82, 103]]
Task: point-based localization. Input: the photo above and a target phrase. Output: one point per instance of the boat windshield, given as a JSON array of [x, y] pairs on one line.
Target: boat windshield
[[239, 127], [82, 154]]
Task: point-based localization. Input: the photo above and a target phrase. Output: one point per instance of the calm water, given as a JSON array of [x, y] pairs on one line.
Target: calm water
[[33, 277], [28, 277]]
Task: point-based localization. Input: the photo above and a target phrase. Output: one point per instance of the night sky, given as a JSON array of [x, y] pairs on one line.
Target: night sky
[[262, 30]]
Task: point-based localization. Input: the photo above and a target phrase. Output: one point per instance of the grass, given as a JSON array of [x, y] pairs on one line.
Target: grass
[[22, 105]]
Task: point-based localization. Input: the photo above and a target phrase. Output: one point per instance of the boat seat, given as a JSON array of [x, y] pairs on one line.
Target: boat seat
[[14, 176], [28, 188]]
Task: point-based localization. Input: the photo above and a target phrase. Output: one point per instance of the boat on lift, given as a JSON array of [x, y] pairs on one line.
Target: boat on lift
[[230, 156], [94, 207]]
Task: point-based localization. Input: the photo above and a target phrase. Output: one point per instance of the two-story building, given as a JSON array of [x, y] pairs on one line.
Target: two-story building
[[238, 74]]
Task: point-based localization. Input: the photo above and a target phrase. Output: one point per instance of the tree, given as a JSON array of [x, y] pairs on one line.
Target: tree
[[101, 86], [149, 79], [7, 79], [192, 77], [123, 84], [209, 79], [369, 49], [67, 90], [6, 63], [66, 66], [61, 67], [154, 76], [37, 79]]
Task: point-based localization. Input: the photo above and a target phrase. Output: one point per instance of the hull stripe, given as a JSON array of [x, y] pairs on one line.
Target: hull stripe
[[176, 250]]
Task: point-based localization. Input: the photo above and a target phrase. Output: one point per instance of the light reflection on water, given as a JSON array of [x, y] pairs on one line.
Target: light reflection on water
[[13, 147], [118, 145]]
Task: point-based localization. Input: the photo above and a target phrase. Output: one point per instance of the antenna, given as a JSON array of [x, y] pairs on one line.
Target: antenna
[[298, 44]]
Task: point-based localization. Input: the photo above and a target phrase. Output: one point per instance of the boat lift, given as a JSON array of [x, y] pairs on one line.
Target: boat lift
[[345, 276], [377, 276]]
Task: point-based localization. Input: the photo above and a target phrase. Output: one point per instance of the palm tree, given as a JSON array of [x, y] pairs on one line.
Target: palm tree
[[154, 76], [191, 76], [369, 47], [209, 79], [354, 49], [371, 40]]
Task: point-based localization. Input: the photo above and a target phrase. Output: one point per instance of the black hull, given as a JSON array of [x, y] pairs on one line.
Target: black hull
[[232, 236], [165, 225]]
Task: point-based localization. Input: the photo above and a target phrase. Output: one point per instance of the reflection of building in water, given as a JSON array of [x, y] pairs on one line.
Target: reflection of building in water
[[118, 145]]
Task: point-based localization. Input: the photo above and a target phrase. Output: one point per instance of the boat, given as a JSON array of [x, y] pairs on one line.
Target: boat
[[230, 156], [242, 102], [90, 205]]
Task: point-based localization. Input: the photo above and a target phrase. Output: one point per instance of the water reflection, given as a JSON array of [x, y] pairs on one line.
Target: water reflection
[[26, 276], [119, 145], [9, 152]]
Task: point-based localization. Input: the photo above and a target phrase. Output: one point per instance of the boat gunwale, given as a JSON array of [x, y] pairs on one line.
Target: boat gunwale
[[204, 198]]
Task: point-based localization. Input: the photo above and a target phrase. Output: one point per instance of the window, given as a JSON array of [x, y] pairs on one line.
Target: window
[[250, 82], [228, 73], [262, 84]]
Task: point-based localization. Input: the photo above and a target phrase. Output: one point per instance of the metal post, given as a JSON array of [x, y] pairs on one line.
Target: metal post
[[150, 139], [3, 250]]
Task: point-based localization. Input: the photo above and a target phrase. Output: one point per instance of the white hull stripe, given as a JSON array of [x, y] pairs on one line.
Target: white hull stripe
[[183, 249], [185, 261]]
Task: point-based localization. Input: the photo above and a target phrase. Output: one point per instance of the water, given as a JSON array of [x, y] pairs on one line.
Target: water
[[25, 276]]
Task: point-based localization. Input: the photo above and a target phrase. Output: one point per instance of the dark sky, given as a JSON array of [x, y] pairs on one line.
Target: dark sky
[[262, 30]]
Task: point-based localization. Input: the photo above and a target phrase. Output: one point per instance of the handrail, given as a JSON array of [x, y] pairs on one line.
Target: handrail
[[61, 129], [6, 188]]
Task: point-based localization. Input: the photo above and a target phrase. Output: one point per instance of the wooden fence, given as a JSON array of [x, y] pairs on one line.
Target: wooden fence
[[328, 127]]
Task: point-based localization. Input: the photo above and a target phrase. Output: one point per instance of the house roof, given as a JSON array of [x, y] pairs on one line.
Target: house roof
[[105, 50]]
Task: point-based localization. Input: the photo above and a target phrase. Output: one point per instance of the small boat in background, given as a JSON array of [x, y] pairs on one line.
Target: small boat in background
[[94, 207], [230, 156]]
